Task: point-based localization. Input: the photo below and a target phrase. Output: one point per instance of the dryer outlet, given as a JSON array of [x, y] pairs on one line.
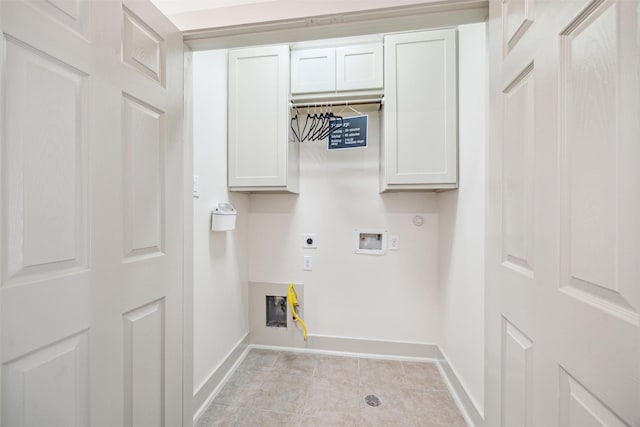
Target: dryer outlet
[[309, 241]]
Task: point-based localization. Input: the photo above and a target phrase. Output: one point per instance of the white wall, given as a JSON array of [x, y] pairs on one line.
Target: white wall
[[461, 212], [220, 258], [391, 297]]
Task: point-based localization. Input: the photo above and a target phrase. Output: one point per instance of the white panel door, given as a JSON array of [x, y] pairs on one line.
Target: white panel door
[[563, 273], [91, 224]]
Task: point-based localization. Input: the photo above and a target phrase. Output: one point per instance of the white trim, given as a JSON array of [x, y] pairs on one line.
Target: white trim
[[344, 353], [351, 345], [215, 370], [373, 340], [209, 400], [438, 14], [474, 413], [187, 238], [219, 376], [454, 395]]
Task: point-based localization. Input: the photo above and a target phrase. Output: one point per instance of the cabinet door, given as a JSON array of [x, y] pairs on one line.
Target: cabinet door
[[359, 67], [258, 116], [313, 70], [420, 120]]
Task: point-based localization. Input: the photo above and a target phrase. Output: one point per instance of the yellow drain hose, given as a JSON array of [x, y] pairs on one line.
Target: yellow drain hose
[[293, 303]]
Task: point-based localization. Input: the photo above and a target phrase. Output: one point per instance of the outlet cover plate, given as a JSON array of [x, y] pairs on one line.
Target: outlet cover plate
[[394, 242], [309, 241], [307, 264]]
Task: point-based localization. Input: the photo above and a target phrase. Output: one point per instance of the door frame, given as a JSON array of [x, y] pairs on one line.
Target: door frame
[[187, 270]]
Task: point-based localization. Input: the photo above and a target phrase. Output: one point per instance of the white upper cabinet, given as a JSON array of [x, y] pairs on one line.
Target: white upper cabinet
[[331, 69], [420, 113], [260, 156], [359, 67], [313, 70]]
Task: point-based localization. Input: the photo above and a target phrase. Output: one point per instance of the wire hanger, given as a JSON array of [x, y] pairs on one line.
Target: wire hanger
[[335, 123], [295, 118], [321, 128], [322, 122], [346, 105]]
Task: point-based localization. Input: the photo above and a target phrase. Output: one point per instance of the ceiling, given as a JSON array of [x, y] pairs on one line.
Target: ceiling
[[174, 7], [202, 14]]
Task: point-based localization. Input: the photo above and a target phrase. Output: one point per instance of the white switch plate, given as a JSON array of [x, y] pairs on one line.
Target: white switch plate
[[196, 185], [394, 242], [306, 237], [307, 263]]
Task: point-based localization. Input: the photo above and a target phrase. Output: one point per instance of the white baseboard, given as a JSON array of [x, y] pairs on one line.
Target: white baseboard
[[344, 346], [203, 397], [470, 411], [369, 347]]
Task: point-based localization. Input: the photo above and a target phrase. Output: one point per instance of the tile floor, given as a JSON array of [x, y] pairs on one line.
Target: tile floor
[[272, 388]]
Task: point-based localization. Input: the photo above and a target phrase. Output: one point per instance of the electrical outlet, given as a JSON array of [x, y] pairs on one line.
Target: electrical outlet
[[309, 241], [307, 264], [394, 242]]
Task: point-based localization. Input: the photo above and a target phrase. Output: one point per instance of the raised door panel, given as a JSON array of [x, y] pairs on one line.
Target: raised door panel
[[580, 408], [73, 14], [143, 139], [144, 367], [258, 117], [48, 387], [44, 180], [142, 47], [599, 181], [517, 17], [517, 174], [421, 108], [598, 236], [359, 67], [313, 70], [517, 376]]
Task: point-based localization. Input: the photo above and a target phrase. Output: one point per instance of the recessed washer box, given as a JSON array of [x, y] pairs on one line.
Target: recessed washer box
[[276, 310], [371, 241]]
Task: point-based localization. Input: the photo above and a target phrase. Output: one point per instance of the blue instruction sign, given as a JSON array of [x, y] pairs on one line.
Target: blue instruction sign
[[352, 133]]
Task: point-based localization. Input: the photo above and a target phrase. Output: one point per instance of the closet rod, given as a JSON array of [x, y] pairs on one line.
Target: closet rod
[[294, 104]]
